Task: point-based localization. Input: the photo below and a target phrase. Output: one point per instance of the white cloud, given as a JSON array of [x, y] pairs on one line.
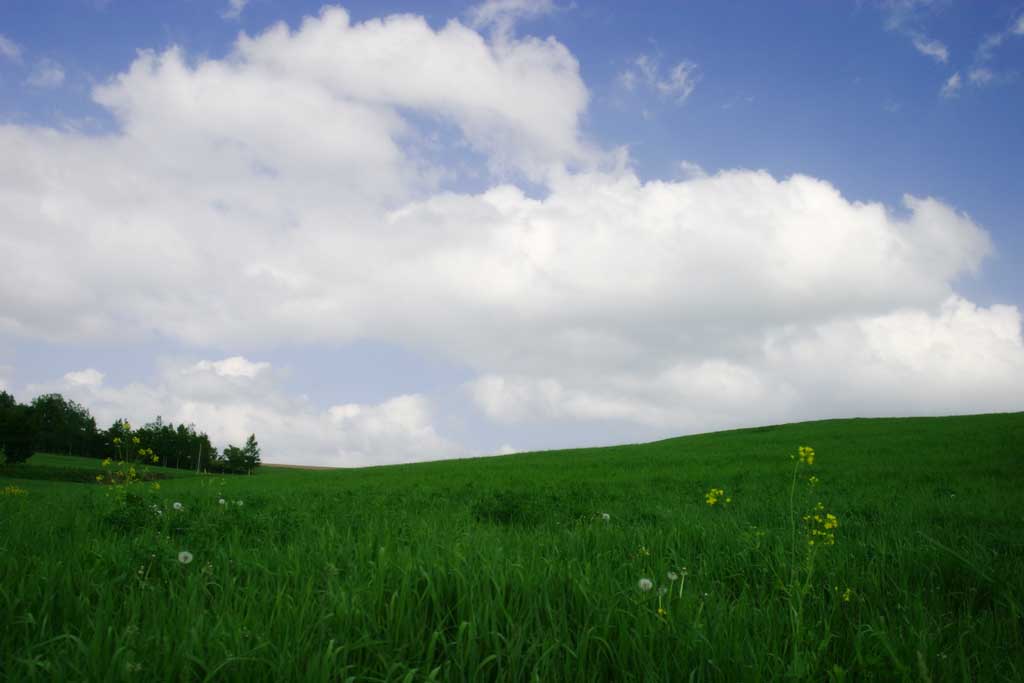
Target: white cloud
[[958, 358], [236, 366], [1018, 27], [931, 48], [9, 49], [281, 196], [88, 377], [234, 9], [46, 74], [898, 13], [980, 76], [229, 402], [951, 88], [502, 15], [678, 84], [691, 170]]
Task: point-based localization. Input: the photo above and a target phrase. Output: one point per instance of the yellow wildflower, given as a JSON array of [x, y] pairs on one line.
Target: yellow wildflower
[[806, 455], [714, 495]]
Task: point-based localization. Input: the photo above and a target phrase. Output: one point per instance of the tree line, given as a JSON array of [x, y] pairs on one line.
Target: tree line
[[54, 424]]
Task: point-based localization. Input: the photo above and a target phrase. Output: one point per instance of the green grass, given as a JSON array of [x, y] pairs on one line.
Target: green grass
[[53, 467], [502, 569]]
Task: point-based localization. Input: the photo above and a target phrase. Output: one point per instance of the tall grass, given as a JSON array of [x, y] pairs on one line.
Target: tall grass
[[506, 570]]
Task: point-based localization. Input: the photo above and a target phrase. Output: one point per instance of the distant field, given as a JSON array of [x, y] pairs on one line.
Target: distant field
[[506, 568]]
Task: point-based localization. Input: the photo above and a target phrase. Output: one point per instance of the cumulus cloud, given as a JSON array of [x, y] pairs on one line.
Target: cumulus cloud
[[951, 88], [282, 196], [89, 377], [677, 84], [691, 170], [235, 397], [46, 74], [236, 366], [9, 49], [956, 358]]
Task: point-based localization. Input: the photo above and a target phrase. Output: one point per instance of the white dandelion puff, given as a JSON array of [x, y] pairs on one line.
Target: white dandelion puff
[[672, 576], [184, 557], [239, 503], [645, 584], [222, 502], [178, 506], [606, 517]]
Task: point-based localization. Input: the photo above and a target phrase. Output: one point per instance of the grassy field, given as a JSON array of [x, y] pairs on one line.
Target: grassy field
[[531, 567]]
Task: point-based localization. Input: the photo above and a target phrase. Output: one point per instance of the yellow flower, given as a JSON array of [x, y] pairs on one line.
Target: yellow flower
[[155, 459], [662, 612], [117, 439], [99, 477], [713, 495], [106, 462], [806, 455], [135, 439], [813, 480], [156, 485]]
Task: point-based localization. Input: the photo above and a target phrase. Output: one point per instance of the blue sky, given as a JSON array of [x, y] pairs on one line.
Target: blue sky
[[439, 277]]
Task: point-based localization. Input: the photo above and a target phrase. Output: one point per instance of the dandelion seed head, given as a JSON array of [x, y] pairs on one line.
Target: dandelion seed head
[[178, 506], [184, 557], [645, 584], [672, 576]]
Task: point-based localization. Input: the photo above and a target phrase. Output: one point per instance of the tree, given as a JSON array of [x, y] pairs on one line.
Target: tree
[[251, 454], [62, 426], [6, 401], [17, 433], [234, 459]]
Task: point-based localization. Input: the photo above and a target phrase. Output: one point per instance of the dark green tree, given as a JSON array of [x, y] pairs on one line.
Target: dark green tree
[[17, 433], [251, 454], [62, 426]]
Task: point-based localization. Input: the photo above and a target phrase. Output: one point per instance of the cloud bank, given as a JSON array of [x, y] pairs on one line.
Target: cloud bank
[[309, 188], [234, 397]]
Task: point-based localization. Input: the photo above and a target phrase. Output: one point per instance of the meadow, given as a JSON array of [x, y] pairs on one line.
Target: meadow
[[688, 559]]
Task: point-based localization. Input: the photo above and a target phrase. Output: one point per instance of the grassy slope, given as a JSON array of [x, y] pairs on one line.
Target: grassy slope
[[501, 568]]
